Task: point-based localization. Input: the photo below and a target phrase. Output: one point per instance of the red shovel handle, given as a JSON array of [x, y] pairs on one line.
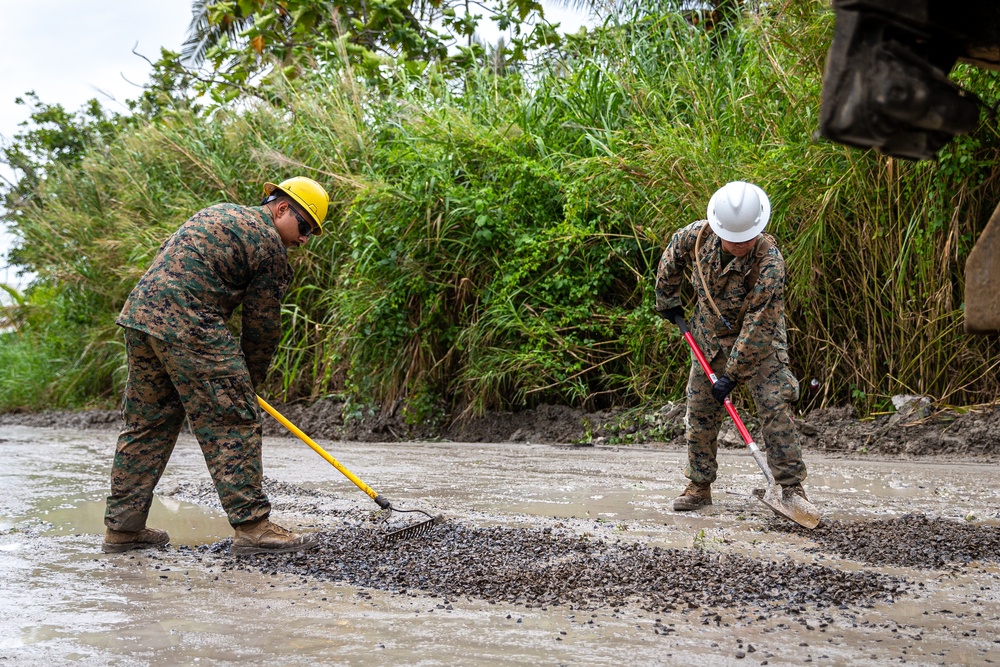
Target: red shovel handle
[[730, 408], [797, 509]]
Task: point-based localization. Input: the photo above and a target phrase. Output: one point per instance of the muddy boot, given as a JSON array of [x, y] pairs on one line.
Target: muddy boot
[[264, 537], [695, 496], [117, 541], [793, 489]]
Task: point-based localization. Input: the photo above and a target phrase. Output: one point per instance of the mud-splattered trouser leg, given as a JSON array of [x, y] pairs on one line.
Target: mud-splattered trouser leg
[[165, 382], [774, 389], [153, 416], [702, 421]]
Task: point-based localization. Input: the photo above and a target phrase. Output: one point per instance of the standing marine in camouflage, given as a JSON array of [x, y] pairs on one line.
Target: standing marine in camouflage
[[738, 275], [183, 360]]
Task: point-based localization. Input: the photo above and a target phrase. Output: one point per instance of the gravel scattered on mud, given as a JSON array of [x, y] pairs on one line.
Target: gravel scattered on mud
[[538, 567], [912, 540], [283, 495]]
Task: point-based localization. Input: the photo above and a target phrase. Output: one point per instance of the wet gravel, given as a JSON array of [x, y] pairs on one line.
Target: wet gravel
[[912, 540], [541, 566], [538, 567]]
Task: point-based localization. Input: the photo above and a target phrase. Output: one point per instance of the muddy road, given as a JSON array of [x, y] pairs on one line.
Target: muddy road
[[556, 555]]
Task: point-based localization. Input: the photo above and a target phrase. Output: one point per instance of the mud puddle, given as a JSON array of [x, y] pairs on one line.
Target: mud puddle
[[190, 524], [610, 572]]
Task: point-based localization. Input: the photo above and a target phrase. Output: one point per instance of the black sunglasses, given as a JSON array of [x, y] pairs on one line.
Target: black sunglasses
[[305, 227]]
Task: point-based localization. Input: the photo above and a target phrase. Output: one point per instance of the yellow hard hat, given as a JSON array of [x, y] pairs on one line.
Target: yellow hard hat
[[309, 194]]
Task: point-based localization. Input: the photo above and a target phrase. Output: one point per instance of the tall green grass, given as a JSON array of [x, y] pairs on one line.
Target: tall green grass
[[493, 244]]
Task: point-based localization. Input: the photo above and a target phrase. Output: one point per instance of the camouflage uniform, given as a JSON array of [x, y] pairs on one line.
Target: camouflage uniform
[[754, 353], [183, 360]]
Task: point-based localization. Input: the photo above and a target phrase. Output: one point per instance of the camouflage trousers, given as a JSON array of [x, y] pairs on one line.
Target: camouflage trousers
[[165, 383], [773, 389]]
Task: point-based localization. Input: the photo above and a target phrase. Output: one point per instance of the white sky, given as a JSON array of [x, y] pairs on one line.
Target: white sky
[[70, 51]]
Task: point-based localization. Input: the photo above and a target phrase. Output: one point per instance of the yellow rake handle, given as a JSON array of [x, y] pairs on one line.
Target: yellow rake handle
[[382, 502]]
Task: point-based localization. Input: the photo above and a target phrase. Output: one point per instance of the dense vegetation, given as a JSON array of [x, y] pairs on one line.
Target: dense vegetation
[[498, 214]]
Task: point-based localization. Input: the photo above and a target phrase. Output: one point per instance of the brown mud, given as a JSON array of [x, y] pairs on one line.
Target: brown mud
[[549, 554], [947, 432]]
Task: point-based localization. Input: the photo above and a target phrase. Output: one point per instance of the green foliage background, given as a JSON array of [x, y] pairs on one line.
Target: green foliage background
[[494, 232]]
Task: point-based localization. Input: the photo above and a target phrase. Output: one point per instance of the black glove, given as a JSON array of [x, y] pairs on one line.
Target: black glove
[[722, 388], [670, 314]]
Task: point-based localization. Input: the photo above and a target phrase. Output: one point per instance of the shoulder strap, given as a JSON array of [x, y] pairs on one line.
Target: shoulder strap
[[760, 250], [763, 245], [701, 276]]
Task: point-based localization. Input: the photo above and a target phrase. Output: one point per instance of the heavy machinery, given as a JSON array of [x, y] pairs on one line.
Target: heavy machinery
[[886, 86]]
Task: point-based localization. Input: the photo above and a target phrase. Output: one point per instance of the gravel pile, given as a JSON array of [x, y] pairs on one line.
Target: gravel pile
[[912, 540], [543, 566]]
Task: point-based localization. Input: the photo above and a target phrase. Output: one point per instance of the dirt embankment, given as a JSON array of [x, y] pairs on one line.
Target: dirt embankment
[[973, 433]]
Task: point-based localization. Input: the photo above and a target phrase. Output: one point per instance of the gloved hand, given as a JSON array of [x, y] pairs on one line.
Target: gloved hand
[[670, 314], [722, 388]]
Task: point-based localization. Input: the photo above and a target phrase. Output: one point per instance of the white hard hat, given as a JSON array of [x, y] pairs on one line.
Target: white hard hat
[[738, 211]]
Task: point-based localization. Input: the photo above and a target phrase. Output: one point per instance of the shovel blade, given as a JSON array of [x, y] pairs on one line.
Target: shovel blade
[[795, 508]]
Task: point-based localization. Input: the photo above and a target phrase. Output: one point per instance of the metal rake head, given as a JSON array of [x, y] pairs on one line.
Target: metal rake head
[[414, 530]]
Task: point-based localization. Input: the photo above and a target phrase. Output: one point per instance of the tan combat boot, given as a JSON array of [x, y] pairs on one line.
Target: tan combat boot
[[117, 541], [264, 537], [696, 495], [793, 489]]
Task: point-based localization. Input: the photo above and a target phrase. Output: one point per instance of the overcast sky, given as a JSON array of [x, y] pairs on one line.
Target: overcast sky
[[69, 51]]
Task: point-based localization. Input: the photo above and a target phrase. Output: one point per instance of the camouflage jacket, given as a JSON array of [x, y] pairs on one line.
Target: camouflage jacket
[[224, 256], [762, 330]]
